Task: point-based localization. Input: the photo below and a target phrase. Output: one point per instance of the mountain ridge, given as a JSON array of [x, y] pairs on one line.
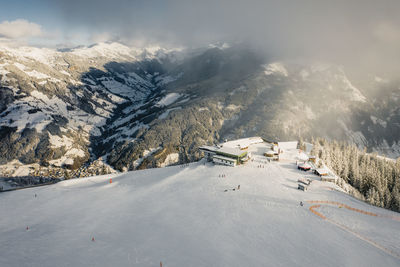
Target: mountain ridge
[[133, 108]]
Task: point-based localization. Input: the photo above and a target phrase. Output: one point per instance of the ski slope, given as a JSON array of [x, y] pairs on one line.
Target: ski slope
[[189, 216]]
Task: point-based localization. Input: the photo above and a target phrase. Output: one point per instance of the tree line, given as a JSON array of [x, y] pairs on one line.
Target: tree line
[[376, 178]]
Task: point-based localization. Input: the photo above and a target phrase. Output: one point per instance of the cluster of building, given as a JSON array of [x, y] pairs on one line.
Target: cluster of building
[[225, 155], [230, 153], [237, 152]]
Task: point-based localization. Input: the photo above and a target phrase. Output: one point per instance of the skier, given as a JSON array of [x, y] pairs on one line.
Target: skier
[[301, 203]]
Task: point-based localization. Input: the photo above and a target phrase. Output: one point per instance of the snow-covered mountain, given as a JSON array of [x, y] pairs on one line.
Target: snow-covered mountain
[[53, 103], [109, 106], [195, 215]]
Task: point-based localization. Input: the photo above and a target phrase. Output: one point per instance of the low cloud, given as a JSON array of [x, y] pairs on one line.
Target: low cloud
[[20, 29], [361, 33]]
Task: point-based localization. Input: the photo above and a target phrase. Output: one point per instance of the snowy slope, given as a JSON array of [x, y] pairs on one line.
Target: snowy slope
[[182, 216]]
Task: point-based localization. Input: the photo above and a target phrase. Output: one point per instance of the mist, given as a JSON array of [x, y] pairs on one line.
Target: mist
[[358, 33]]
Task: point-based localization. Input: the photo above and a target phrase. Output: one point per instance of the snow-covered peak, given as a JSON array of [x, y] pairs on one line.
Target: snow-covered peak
[[355, 94], [114, 51], [275, 68], [110, 50], [220, 45], [27, 53], [117, 50]]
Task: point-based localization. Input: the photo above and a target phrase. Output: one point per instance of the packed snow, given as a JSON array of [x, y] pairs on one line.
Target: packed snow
[[195, 215]]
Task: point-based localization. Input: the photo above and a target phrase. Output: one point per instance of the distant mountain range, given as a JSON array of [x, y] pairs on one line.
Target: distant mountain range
[[124, 108]]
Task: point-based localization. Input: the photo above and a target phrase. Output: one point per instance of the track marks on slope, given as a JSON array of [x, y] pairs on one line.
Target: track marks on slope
[[360, 236]]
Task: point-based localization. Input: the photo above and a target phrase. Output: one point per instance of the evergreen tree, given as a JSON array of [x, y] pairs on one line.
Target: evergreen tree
[[376, 178]]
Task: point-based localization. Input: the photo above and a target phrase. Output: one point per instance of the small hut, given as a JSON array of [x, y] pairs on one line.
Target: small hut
[[304, 167], [269, 154], [302, 187], [321, 172], [328, 179]]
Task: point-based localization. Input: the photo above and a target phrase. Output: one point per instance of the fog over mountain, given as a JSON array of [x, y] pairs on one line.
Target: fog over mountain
[[360, 34]]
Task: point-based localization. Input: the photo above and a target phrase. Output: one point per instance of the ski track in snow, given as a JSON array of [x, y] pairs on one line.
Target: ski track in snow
[[342, 226]]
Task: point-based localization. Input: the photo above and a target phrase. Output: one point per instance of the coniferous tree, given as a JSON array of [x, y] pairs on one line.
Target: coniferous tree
[[376, 178]]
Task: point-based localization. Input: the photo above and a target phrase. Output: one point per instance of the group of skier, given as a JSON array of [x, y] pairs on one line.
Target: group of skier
[[233, 189]]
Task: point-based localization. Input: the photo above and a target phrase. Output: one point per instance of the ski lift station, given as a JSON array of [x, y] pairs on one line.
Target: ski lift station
[[229, 156], [236, 152]]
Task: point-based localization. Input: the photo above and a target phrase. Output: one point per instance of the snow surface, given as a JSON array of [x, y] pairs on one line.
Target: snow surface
[[275, 68], [354, 93], [376, 120], [168, 99], [32, 73], [43, 55], [65, 73], [108, 50], [164, 80], [182, 216], [171, 159]]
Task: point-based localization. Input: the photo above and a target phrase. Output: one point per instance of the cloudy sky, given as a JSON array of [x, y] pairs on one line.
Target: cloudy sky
[[365, 29]]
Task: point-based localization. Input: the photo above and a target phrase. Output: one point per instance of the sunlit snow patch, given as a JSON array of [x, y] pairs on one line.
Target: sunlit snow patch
[[168, 99]]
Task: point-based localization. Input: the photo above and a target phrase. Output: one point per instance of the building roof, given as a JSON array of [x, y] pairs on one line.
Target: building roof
[[302, 156], [328, 178], [243, 142], [305, 165], [322, 170], [270, 152], [232, 151], [288, 145], [209, 148]]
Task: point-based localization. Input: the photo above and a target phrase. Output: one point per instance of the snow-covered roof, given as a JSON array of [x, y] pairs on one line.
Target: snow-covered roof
[[243, 142], [231, 151], [308, 146], [270, 152], [288, 145], [322, 170], [305, 165], [302, 156], [209, 148]]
